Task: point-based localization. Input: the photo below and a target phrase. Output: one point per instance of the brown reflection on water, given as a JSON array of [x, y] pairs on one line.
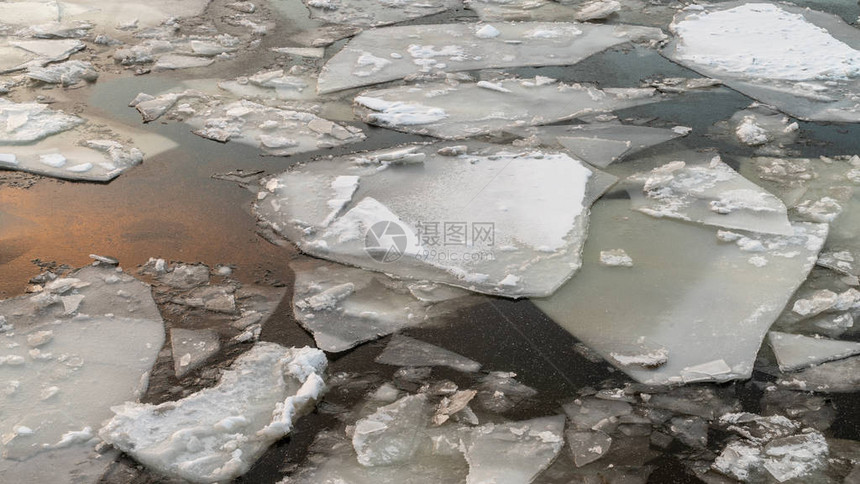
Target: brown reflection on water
[[168, 207]]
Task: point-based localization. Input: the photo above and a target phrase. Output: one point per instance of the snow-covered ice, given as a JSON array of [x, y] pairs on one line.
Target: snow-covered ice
[[711, 193], [86, 342], [470, 109], [276, 131], [456, 47], [217, 433], [805, 63], [486, 198]]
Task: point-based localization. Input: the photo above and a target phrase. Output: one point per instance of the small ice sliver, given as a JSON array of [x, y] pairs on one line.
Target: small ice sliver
[[385, 241]]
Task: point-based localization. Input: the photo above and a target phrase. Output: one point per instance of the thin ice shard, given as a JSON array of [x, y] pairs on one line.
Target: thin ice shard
[[343, 306], [795, 351], [217, 433], [405, 351], [84, 343], [467, 109], [598, 144], [390, 53], [709, 193], [803, 62], [709, 312], [486, 198], [373, 13]]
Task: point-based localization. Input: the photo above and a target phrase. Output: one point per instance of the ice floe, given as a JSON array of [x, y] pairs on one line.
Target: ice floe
[[391, 53], [276, 131], [191, 348], [343, 306], [710, 193], [373, 13], [795, 351], [805, 63], [706, 319], [470, 109], [513, 452], [484, 198], [218, 433], [83, 343]]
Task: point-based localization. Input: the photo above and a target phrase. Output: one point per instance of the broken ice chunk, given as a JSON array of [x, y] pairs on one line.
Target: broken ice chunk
[[392, 434], [712, 288], [344, 306], [711, 194], [500, 392], [588, 446], [455, 112], [615, 258], [485, 197], [756, 48], [405, 351], [68, 73], [373, 13], [29, 122], [217, 433], [597, 10], [191, 348], [424, 48], [514, 452], [67, 371], [795, 351], [223, 119]]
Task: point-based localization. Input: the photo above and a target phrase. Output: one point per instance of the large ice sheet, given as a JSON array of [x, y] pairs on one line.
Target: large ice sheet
[[803, 62], [391, 53], [697, 310], [84, 343], [217, 433], [373, 13], [471, 109], [598, 144], [515, 218], [344, 306], [710, 193]]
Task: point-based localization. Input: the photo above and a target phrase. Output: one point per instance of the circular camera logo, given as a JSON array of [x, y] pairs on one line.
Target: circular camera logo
[[385, 241]]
